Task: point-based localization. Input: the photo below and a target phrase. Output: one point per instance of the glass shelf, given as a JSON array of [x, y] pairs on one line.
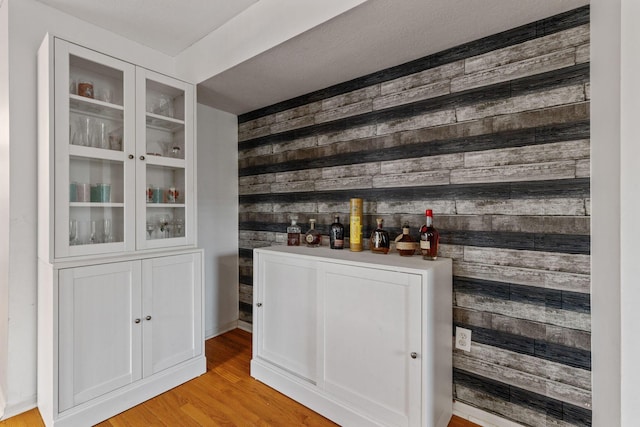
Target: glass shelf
[[160, 122]]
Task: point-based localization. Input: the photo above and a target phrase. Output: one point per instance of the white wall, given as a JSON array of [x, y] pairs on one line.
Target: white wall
[[28, 22], [4, 201], [615, 229], [218, 216], [630, 210]]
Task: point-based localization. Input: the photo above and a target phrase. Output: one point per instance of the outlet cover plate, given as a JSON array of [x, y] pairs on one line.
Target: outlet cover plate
[[463, 338]]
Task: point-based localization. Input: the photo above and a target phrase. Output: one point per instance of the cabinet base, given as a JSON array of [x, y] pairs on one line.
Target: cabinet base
[[309, 395], [104, 407]]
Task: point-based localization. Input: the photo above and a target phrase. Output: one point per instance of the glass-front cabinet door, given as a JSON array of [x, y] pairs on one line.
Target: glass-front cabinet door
[[94, 152], [164, 174]]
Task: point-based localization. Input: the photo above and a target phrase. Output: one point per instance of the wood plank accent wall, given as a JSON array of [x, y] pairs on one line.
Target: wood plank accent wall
[[493, 136]]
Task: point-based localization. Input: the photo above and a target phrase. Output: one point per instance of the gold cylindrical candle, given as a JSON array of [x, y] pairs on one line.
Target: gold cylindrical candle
[[355, 225]]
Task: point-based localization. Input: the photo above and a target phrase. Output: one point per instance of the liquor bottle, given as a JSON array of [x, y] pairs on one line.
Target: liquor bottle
[[336, 234], [293, 233], [379, 240], [405, 244], [355, 225], [429, 238], [313, 237]]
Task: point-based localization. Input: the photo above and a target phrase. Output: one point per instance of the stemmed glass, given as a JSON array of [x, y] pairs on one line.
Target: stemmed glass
[[163, 221], [150, 228], [94, 233]]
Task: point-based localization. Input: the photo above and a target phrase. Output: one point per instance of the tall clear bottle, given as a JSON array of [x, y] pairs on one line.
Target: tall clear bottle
[[293, 233], [429, 238], [336, 234]]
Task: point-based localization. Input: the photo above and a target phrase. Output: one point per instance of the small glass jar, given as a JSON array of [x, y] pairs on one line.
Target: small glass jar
[[85, 88]]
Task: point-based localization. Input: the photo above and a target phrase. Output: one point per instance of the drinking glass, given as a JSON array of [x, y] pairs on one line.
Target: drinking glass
[[108, 232], [94, 238], [163, 221], [150, 228], [73, 232], [179, 225]]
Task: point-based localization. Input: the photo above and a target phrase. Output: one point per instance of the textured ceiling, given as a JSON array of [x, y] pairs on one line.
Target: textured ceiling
[[370, 37], [169, 26]]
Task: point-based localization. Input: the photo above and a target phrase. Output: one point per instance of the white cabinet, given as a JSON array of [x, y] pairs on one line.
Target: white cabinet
[[124, 331], [99, 338], [116, 161], [362, 338], [286, 328], [120, 294]]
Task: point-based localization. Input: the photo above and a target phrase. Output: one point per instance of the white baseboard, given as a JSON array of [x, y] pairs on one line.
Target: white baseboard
[[11, 410], [220, 329], [480, 417], [245, 326]]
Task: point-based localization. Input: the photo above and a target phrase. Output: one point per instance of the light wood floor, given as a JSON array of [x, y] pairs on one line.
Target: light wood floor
[[225, 396]]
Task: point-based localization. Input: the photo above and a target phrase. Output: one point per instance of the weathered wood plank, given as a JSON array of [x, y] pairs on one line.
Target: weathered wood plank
[[571, 263], [510, 173], [555, 151]]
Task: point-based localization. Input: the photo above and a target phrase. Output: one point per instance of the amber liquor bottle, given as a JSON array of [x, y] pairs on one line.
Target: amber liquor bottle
[[313, 237], [379, 240], [429, 238], [405, 245], [336, 234]]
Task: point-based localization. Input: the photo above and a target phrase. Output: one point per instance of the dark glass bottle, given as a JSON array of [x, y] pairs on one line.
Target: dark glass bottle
[[336, 234], [429, 238], [405, 244], [379, 240], [313, 236]]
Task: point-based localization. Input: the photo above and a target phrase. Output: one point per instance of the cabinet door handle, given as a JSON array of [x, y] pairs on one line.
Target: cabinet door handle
[[137, 321], [148, 317], [414, 355], [259, 304], [141, 157], [131, 156]]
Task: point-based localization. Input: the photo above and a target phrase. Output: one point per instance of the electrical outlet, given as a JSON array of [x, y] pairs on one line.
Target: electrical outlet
[[463, 338]]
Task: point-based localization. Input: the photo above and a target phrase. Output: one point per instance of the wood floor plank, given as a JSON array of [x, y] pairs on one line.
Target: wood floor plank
[[226, 395]]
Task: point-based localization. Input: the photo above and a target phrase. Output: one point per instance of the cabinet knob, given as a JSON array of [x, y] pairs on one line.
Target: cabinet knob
[[148, 317], [137, 321], [141, 157], [259, 304], [414, 355], [131, 156]]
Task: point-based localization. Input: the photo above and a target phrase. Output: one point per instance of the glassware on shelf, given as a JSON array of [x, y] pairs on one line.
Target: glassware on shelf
[[172, 195], [73, 232], [85, 88], [379, 240], [163, 222], [94, 237], [313, 236], [405, 244], [108, 231], [179, 227], [150, 228]]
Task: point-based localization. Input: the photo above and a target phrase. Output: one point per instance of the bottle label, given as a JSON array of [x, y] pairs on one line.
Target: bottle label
[[425, 244], [309, 238], [338, 243], [356, 230], [405, 246]]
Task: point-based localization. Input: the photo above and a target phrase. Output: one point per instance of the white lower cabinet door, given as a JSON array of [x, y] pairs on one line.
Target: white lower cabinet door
[[171, 311], [99, 331], [286, 308], [371, 338]]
